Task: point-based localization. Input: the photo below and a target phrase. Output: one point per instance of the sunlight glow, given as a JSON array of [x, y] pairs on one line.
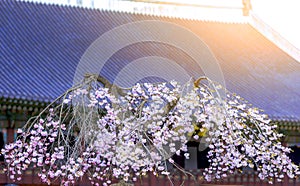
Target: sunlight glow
[[282, 15]]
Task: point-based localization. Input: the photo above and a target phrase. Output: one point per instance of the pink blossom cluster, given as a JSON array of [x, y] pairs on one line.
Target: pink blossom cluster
[[240, 136], [31, 148], [119, 137], [106, 135], [141, 130]]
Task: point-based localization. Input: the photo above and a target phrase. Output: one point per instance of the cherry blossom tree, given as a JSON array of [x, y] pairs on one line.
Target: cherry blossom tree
[[106, 132]]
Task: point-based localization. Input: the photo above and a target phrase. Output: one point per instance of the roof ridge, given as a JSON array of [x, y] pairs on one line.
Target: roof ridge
[[52, 4], [243, 20], [34, 2], [272, 35]]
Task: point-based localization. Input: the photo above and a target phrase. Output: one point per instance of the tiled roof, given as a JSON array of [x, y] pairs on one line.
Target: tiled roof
[[41, 45]]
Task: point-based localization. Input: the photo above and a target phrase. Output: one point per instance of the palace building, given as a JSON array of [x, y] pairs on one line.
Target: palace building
[[42, 44]]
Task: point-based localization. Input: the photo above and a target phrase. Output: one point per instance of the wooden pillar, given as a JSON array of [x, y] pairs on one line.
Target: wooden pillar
[[10, 126], [10, 135]]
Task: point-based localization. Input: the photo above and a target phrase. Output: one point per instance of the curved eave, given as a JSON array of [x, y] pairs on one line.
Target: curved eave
[[16, 104], [288, 124]]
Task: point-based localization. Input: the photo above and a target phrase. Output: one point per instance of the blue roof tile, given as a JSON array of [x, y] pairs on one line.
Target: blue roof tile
[[41, 45]]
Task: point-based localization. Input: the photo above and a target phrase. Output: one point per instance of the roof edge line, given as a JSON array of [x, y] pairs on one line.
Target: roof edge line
[[274, 36]]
